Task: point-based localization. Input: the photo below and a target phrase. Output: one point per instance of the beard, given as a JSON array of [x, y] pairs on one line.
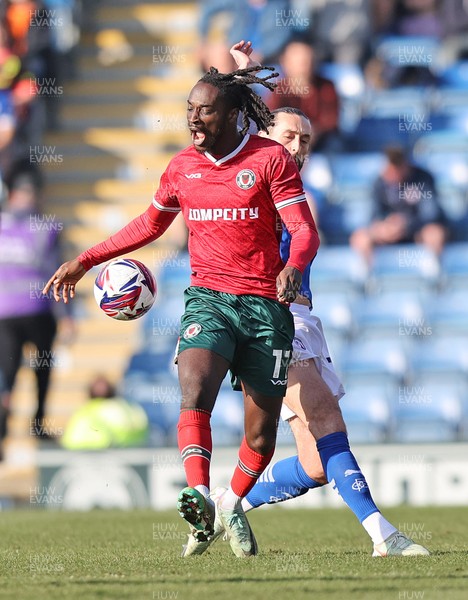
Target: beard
[[299, 160]]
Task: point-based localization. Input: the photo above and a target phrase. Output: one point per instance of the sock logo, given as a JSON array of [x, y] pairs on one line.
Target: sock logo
[[194, 450], [349, 472], [359, 484]]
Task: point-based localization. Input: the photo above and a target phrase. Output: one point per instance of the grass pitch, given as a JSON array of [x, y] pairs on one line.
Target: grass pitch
[[311, 554]]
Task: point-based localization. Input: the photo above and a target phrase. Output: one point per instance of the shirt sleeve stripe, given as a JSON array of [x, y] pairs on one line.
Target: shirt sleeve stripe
[[289, 201], [166, 208]]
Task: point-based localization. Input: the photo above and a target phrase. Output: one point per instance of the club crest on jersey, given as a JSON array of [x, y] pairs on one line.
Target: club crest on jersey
[[192, 330], [245, 179]]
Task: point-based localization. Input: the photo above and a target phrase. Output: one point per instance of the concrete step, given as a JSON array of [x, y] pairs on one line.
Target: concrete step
[[18, 480], [137, 89], [154, 18], [91, 68]]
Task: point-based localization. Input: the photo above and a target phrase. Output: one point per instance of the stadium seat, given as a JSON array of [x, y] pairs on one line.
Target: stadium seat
[[451, 101], [372, 134], [451, 140], [401, 51], [446, 167], [397, 102], [367, 415], [452, 199], [448, 312], [336, 311], [404, 266], [159, 407], [337, 269], [316, 173], [428, 415], [455, 264], [356, 169], [174, 269], [355, 205], [394, 314], [151, 363], [347, 77], [441, 354], [456, 75], [374, 357]]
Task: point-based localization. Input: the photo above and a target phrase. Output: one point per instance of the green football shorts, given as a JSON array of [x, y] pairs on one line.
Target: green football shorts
[[253, 333]]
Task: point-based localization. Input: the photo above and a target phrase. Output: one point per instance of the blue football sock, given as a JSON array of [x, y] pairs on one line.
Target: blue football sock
[[284, 480], [341, 467]]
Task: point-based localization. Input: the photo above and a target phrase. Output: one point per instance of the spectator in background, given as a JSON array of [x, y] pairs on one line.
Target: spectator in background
[[417, 18], [268, 24], [341, 30], [106, 421], [454, 18], [29, 249], [406, 208], [301, 87]]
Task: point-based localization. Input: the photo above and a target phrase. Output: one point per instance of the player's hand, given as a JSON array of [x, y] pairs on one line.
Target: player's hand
[[64, 280], [241, 52], [288, 284]]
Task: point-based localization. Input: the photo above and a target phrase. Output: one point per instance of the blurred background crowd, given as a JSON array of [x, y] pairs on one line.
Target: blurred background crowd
[[96, 93]]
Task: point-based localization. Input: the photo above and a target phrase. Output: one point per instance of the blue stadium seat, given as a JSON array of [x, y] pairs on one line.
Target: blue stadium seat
[[394, 314], [316, 173], [347, 77], [443, 354], [452, 199], [367, 414], [451, 141], [402, 51], [396, 103], [455, 263], [356, 169], [372, 134], [354, 203], [448, 312], [151, 363], [455, 75], [174, 269], [336, 311], [371, 357], [428, 415], [336, 269], [451, 101], [446, 167], [159, 400], [405, 266]]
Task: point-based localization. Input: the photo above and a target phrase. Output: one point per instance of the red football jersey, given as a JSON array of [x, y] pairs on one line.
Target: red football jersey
[[232, 209]]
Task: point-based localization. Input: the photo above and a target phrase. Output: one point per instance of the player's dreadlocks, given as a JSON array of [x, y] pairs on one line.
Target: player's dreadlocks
[[234, 88]]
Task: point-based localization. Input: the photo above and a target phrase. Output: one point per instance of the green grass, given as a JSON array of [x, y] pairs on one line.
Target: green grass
[[311, 554]]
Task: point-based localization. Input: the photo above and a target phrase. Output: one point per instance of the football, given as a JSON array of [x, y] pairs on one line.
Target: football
[[125, 289]]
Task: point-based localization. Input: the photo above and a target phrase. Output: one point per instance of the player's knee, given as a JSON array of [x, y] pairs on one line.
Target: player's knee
[[261, 443], [195, 395], [328, 418], [317, 474]]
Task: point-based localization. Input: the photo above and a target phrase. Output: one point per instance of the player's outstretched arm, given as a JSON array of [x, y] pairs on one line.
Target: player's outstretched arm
[[141, 231]]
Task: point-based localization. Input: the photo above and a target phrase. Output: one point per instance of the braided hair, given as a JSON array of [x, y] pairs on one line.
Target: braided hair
[[234, 89]]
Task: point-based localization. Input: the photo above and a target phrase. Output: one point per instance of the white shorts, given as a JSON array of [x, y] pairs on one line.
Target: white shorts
[[309, 342]]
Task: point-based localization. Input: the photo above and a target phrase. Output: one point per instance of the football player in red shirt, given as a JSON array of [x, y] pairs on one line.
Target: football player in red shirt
[[233, 190]]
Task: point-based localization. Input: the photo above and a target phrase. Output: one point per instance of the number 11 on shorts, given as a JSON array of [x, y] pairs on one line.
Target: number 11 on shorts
[[281, 360]]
